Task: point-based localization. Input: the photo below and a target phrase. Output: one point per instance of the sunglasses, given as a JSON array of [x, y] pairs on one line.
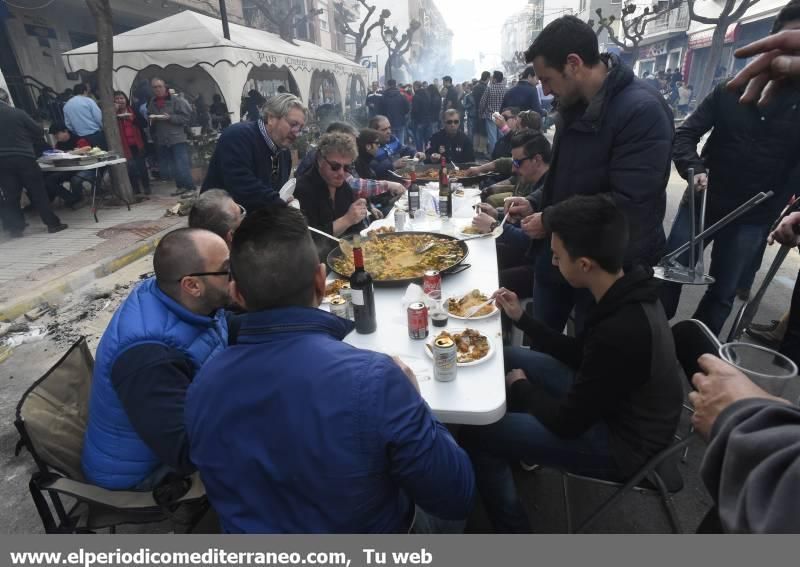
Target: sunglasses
[[518, 162], [242, 211], [508, 117], [452, 122], [336, 166]]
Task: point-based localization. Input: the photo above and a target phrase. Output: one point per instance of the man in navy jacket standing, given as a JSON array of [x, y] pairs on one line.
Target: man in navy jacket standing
[[294, 431], [613, 135], [252, 159], [524, 95]]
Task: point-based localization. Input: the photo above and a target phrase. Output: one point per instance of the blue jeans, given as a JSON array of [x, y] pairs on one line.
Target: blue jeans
[[422, 133], [491, 134], [735, 259], [521, 436], [174, 160], [554, 298]]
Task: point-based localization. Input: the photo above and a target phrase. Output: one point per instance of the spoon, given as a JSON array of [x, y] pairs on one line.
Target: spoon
[[455, 166], [471, 313], [499, 230]]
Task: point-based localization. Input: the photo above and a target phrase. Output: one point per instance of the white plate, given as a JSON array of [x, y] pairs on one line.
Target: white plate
[[463, 234], [435, 334], [466, 192], [458, 296]]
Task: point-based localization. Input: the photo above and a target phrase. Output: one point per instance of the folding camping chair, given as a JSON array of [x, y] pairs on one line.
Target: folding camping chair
[[51, 419]]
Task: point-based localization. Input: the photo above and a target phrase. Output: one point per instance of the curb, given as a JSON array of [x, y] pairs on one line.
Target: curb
[[55, 290]]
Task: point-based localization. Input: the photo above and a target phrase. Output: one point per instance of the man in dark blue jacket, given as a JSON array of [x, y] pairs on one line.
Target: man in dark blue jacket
[[252, 159], [394, 105], [294, 431], [154, 345], [392, 150], [769, 136], [524, 95], [613, 135]]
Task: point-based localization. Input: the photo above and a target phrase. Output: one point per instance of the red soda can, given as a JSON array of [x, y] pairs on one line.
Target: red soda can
[[418, 321], [432, 284]]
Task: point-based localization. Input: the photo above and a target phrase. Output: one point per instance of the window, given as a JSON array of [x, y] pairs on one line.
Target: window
[[582, 6]]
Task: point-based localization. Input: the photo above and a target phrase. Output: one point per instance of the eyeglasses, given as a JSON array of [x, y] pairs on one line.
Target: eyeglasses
[[295, 126], [336, 166], [452, 121], [518, 162], [198, 274], [508, 116]]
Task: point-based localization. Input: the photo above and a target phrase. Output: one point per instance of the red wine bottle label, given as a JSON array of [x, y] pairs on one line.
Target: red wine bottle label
[[357, 296]]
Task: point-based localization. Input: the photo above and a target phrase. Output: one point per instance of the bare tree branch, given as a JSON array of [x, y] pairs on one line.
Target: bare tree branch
[[697, 17]]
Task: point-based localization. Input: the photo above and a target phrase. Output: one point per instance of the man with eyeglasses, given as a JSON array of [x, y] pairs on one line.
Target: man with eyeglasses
[[450, 141], [392, 150], [252, 159], [161, 335]]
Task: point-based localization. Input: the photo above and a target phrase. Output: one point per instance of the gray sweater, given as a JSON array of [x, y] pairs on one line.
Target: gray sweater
[[19, 133], [752, 467], [172, 131]]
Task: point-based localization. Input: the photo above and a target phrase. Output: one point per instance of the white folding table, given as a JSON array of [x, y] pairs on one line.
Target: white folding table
[[477, 395], [100, 166]]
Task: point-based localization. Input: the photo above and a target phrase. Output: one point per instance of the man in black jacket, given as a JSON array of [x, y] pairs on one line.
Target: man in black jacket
[[252, 159], [394, 105], [600, 404], [420, 116], [479, 138], [767, 138], [614, 135], [18, 170], [450, 142], [524, 95]]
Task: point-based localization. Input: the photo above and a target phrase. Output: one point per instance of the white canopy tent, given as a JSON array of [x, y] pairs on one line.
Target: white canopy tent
[[189, 39]]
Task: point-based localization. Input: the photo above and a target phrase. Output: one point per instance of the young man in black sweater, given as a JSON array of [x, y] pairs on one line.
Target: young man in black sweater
[[601, 403]]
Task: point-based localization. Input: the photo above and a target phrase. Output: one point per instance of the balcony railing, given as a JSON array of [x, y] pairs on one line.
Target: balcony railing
[[674, 20]]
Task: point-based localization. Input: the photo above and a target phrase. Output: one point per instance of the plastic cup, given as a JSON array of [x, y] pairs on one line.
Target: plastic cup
[[769, 369]]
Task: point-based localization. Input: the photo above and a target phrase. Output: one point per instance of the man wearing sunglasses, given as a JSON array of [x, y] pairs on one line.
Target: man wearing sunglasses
[[252, 159], [450, 141], [162, 334], [326, 199]]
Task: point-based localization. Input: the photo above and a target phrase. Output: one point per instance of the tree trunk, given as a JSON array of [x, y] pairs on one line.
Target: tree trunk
[[387, 73], [101, 11], [708, 72], [359, 51]]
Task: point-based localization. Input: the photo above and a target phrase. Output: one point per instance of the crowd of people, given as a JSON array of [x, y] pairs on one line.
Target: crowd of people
[[223, 363]]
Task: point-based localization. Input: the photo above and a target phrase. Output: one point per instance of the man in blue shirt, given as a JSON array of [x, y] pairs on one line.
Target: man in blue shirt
[[83, 117], [294, 431]]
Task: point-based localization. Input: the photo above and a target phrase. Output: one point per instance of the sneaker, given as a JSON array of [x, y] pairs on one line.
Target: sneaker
[[56, 228], [766, 338]]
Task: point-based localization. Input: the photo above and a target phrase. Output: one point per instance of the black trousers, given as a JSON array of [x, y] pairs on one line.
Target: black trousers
[[16, 174], [791, 340]]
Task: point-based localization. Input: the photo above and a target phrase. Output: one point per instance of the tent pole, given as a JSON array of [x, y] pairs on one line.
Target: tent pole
[[223, 14]]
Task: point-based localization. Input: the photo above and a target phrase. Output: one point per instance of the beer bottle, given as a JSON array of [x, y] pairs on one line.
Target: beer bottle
[[445, 196], [413, 195], [362, 292]]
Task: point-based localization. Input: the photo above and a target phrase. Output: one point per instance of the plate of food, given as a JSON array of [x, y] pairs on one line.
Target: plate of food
[[466, 192], [469, 230], [458, 306], [332, 289], [472, 347]]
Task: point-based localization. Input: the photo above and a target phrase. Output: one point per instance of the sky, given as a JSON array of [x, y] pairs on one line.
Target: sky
[[477, 25]]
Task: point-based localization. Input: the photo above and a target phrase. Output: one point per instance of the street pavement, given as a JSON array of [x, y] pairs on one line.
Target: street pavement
[[87, 311]]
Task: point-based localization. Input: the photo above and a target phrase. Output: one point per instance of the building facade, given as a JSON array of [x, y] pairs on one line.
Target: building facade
[[587, 10], [520, 29], [32, 40]]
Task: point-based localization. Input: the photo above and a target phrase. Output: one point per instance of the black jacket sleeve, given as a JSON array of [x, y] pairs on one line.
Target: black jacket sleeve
[[467, 151], [752, 466], [151, 381], [568, 350], [688, 135]]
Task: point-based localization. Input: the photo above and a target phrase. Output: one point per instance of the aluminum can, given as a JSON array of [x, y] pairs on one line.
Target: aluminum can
[[399, 220], [432, 284], [445, 360], [418, 321], [339, 306], [347, 294]]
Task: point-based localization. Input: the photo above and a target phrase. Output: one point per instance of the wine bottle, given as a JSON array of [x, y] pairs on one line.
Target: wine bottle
[[413, 195], [362, 292], [445, 196]]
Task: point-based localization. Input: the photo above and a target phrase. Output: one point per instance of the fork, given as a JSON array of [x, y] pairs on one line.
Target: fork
[[471, 313]]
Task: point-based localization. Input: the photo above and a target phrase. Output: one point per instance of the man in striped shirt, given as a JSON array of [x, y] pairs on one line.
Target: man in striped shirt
[[491, 102]]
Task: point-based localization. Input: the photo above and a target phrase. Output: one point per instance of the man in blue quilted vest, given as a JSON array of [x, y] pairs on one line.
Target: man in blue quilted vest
[[158, 339]]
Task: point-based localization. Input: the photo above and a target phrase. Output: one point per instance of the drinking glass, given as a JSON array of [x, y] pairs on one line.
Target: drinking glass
[[768, 369]]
